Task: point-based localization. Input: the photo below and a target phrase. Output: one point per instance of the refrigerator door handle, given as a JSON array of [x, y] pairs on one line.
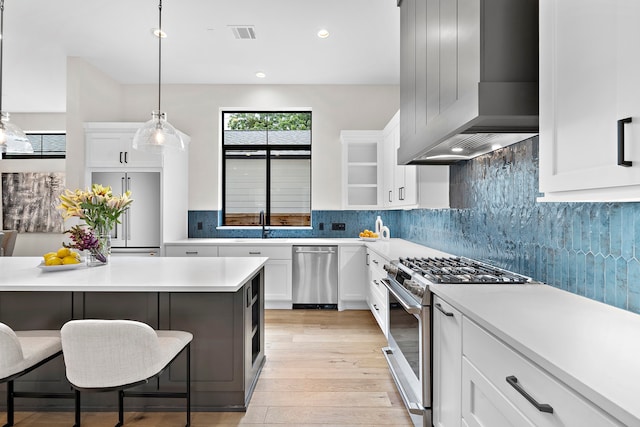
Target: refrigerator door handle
[[127, 213]]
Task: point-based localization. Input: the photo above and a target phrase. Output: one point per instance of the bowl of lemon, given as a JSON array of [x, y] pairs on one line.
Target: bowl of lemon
[[368, 236], [62, 259]]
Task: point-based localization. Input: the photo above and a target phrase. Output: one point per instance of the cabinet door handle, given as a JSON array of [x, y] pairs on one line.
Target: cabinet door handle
[[542, 407], [191, 253], [121, 157], [367, 259], [376, 282], [441, 310], [390, 193], [375, 261], [126, 160], [254, 253], [621, 160], [401, 193], [376, 307]]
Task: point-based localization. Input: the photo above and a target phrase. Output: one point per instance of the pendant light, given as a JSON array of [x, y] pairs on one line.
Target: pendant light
[[12, 138], [157, 133]]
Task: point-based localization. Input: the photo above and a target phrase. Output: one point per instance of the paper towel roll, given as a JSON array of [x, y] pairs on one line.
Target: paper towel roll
[[385, 233]]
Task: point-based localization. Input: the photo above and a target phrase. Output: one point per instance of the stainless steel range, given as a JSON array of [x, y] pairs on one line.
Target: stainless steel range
[[409, 352]]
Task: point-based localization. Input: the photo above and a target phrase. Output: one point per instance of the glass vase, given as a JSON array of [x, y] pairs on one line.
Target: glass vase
[[101, 254]]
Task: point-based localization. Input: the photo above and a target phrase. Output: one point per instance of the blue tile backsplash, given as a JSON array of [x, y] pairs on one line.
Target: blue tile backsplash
[[592, 249]]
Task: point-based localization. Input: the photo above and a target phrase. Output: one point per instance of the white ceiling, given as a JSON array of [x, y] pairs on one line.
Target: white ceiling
[[115, 36]]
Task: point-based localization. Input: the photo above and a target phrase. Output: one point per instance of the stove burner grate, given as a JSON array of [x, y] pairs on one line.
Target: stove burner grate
[[460, 270]]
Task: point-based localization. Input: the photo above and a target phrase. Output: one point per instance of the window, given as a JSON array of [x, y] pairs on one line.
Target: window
[[45, 146], [266, 168]]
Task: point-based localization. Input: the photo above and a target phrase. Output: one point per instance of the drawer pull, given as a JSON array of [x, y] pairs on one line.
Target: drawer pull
[[191, 252], [621, 160], [376, 307], [441, 310], [542, 407], [375, 261], [376, 282], [254, 253]]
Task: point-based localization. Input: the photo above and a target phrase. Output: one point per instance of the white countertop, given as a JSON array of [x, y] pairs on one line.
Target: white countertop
[[132, 274], [390, 249], [592, 347]]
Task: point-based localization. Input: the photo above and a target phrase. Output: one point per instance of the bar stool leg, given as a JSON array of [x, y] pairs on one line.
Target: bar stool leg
[[77, 414], [10, 408], [120, 408], [188, 385]]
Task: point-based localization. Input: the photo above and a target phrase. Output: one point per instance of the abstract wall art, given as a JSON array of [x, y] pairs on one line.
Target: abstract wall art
[[29, 201]]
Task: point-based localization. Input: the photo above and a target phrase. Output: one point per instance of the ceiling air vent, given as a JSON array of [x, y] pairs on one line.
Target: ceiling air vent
[[243, 32]]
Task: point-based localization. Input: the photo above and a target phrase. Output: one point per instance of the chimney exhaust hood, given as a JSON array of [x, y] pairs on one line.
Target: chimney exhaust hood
[[469, 78]]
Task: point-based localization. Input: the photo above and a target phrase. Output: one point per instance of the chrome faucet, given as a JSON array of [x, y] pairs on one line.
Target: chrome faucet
[[265, 232]]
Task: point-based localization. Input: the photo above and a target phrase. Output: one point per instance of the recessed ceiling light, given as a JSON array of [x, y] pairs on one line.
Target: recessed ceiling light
[[456, 149], [260, 75], [158, 33], [323, 33]]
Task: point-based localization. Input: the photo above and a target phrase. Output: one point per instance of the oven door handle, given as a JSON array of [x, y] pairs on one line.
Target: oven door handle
[[409, 308]]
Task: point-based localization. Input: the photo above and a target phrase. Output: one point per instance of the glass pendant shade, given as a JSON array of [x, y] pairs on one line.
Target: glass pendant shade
[[156, 134], [12, 138]]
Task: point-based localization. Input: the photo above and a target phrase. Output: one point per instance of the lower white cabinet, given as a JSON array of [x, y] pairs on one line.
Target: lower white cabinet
[[352, 291], [447, 364], [277, 271], [377, 294], [502, 388]]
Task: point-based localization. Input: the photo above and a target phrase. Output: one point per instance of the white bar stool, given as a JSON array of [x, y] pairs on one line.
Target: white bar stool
[[20, 353], [109, 355]]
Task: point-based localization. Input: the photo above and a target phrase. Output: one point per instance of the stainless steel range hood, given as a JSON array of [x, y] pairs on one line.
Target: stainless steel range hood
[[469, 93]]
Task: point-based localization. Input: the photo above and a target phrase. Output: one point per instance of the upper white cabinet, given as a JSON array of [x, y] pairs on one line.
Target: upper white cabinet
[[361, 169], [589, 83], [400, 182], [109, 145]]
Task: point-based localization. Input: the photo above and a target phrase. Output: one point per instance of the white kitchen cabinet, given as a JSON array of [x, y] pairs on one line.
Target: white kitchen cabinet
[[500, 388], [447, 364], [110, 145], [277, 271], [352, 278], [361, 169], [377, 294], [400, 181], [191, 250], [589, 81]]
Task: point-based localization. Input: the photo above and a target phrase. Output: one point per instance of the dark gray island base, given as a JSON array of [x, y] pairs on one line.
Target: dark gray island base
[[227, 352]]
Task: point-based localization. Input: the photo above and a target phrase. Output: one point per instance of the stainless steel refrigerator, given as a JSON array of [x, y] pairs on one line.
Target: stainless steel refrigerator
[[139, 231]]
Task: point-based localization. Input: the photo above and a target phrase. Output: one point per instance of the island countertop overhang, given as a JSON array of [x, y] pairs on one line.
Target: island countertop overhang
[[132, 274]]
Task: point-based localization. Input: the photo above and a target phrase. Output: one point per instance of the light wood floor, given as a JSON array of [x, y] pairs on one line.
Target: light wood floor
[[323, 367]]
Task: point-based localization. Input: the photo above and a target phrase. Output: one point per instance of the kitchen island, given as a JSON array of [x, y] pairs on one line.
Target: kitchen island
[[219, 300]]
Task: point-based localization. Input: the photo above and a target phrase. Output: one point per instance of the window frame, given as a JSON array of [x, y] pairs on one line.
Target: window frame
[[267, 148], [36, 156]]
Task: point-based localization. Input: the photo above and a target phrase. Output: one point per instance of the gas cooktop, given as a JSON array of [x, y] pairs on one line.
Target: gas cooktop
[[459, 270]]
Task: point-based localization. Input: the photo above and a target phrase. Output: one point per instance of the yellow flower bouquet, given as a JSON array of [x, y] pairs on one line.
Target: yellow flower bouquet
[[100, 209]]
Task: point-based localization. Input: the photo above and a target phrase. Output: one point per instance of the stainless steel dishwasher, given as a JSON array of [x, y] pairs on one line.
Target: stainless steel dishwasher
[[315, 276]]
